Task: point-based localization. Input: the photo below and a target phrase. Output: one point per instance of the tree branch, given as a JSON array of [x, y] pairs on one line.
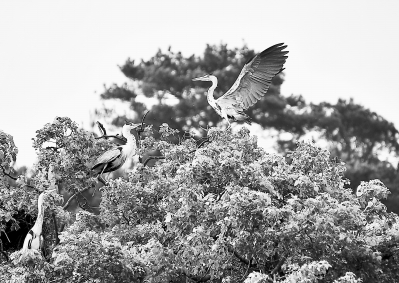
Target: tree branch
[[197, 278], [205, 140], [241, 258], [86, 203], [279, 264], [8, 239], [2, 251], [1, 245], [16, 178], [68, 202], [124, 217], [57, 240], [52, 147], [152, 157], [8, 175], [65, 206]]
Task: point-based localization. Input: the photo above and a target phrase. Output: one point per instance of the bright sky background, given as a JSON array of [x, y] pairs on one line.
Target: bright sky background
[[55, 56]]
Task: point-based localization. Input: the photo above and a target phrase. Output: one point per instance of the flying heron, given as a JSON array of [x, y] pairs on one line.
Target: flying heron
[[114, 158], [250, 86], [34, 238]]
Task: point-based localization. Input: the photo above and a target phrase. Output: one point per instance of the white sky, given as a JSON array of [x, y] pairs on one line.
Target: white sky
[[55, 55]]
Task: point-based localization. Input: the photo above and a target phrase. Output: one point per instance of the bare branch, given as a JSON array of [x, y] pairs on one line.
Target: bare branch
[[2, 251], [8, 175], [68, 202], [57, 240], [205, 140], [124, 217], [152, 157], [279, 264], [52, 147], [65, 206], [105, 136], [241, 258], [246, 271], [197, 278], [16, 178], [2, 230], [86, 204], [139, 131]]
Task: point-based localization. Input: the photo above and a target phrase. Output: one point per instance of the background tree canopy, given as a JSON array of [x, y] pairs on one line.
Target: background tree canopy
[[354, 134], [225, 211]]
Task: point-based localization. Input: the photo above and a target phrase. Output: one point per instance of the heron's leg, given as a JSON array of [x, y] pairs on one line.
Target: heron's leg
[[100, 176], [41, 246], [229, 127]]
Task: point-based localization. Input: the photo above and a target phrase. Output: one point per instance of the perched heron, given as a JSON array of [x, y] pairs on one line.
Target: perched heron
[[34, 238], [114, 158], [250, 86]]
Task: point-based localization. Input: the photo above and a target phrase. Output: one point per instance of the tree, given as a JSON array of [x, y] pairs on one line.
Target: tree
[[225, 212], [355, 134]]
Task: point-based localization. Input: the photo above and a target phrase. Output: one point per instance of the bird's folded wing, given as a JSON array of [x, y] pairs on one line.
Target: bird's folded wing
[[256, 77], [108, 156]]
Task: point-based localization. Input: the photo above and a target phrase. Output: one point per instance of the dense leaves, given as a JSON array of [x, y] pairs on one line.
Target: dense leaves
[[225, 212]]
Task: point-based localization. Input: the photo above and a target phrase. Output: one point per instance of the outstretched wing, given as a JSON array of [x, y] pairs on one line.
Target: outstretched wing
[[107, 157], [255, 78]]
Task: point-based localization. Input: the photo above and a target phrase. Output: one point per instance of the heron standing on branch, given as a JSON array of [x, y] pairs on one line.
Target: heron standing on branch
[[250, 86], [34, 238], [114, 158]]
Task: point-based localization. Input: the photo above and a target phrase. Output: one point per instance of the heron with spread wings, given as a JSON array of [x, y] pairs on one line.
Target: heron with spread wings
[[114, 158], [250, 86]]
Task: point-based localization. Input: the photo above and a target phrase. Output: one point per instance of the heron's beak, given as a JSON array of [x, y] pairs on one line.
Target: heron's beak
[[199, 79], [138, 127]]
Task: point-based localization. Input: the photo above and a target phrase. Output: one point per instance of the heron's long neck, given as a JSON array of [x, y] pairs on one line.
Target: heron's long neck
[[131, 143], [209, 95], [37, 228]]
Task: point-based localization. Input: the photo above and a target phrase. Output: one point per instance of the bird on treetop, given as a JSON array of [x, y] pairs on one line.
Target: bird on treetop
[[34, 238], [250, 86], [114, 158]]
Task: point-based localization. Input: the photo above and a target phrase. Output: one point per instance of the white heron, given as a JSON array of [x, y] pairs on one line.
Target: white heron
[[250, 86], [114, 158], [34, 238]]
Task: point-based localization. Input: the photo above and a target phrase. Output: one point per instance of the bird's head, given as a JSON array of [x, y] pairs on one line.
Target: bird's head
[[43, 197], [131, 126], [206, 78]]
